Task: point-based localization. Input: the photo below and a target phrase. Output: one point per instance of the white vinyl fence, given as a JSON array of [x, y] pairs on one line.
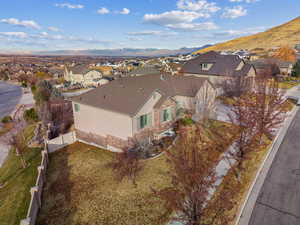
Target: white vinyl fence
[[36, 191], [61, 141]]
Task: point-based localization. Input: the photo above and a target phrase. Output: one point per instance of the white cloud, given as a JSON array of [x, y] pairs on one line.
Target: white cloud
[[70, 6], [198, 5], [234, 12], [54, 29], [124, 11], [14, 34], [193, 26], [135, 39], [152, 33], [103, 11], [173, 17], [21, 23], [247, 1]]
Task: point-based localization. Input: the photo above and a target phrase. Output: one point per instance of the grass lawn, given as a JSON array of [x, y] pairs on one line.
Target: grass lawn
[[289, 105], [288, 84], [82, 190], [15, 195]]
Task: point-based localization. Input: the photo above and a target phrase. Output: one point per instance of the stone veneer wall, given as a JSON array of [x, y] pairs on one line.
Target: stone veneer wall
[[103, 141]]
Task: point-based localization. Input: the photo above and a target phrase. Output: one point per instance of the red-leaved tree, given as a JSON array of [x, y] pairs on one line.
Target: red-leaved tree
[[193, 176]]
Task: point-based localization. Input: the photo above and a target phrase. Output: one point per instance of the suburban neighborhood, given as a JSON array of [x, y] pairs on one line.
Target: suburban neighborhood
[[127, 127]]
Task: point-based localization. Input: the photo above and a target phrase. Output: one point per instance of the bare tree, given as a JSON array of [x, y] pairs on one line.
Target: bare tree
[[126, 165], [243, 114], [18, 142], [269, 110], [193, 176]]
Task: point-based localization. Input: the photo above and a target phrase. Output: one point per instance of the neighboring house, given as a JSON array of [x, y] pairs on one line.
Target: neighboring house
[[144, 70], [113, 116], [275, 66], [81, 74], [214, 66], [56, 72]]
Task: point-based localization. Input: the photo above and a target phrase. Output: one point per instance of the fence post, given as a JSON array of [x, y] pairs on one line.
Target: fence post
[[25, 221], [32, 191], [74, 136]]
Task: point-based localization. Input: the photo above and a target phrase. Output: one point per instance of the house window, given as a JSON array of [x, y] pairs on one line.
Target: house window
[[167, 115], [205, 66], [145, 120], [77, 107]]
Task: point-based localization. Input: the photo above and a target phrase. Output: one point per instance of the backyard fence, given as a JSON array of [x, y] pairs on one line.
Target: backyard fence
[[36, 191], [61, 141]]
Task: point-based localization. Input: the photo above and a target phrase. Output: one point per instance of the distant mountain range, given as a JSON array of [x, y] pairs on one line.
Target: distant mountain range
[[286, 34], [147, 52]]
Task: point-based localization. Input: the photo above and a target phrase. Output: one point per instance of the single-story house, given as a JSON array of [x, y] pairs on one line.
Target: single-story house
[[214, 66], [114, 115]]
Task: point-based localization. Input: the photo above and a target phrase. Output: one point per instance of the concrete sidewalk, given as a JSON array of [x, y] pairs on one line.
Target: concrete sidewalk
[[247, 208]]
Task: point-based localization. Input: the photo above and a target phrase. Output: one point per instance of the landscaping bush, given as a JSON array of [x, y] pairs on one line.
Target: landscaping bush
[[6, 119], [31, 115], [296, 69]]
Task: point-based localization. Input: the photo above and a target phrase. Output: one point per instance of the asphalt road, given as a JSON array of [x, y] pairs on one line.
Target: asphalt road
[[10, 95], [278, 202]]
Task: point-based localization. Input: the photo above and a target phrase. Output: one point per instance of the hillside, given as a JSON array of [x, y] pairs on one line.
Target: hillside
[[286, 34]]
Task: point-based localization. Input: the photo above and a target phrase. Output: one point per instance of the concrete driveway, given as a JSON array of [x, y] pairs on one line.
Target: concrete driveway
[[279, 199]]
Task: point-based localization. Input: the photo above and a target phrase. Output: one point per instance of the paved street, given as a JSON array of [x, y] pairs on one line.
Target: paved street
[[10, 96], [279, 199]]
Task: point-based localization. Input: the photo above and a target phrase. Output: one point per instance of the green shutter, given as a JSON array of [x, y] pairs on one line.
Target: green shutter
[[149, 120], [77, 107]]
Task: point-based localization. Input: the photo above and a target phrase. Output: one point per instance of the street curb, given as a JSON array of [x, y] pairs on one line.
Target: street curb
[[245, 211]]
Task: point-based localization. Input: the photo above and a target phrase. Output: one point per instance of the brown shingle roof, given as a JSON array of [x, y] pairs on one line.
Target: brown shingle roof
[[128, 95], [223, 65]]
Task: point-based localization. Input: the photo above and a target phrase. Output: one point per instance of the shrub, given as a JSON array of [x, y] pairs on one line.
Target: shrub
[[31, 115], [6, 119], [296, 69]]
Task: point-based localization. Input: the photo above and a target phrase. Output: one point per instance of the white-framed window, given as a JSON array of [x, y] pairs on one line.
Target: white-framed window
[[204, 66]]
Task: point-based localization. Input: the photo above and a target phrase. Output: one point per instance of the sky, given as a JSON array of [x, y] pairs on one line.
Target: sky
[[34, 25]]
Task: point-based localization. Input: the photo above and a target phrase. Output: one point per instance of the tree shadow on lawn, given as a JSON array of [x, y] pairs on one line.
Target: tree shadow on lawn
[[58, 204]]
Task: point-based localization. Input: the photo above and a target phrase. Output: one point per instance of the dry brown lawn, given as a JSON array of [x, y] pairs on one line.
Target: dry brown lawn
[[81, 190]]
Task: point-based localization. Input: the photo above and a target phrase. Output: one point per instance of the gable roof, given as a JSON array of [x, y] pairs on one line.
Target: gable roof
[[223, 65], [128, 95]]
